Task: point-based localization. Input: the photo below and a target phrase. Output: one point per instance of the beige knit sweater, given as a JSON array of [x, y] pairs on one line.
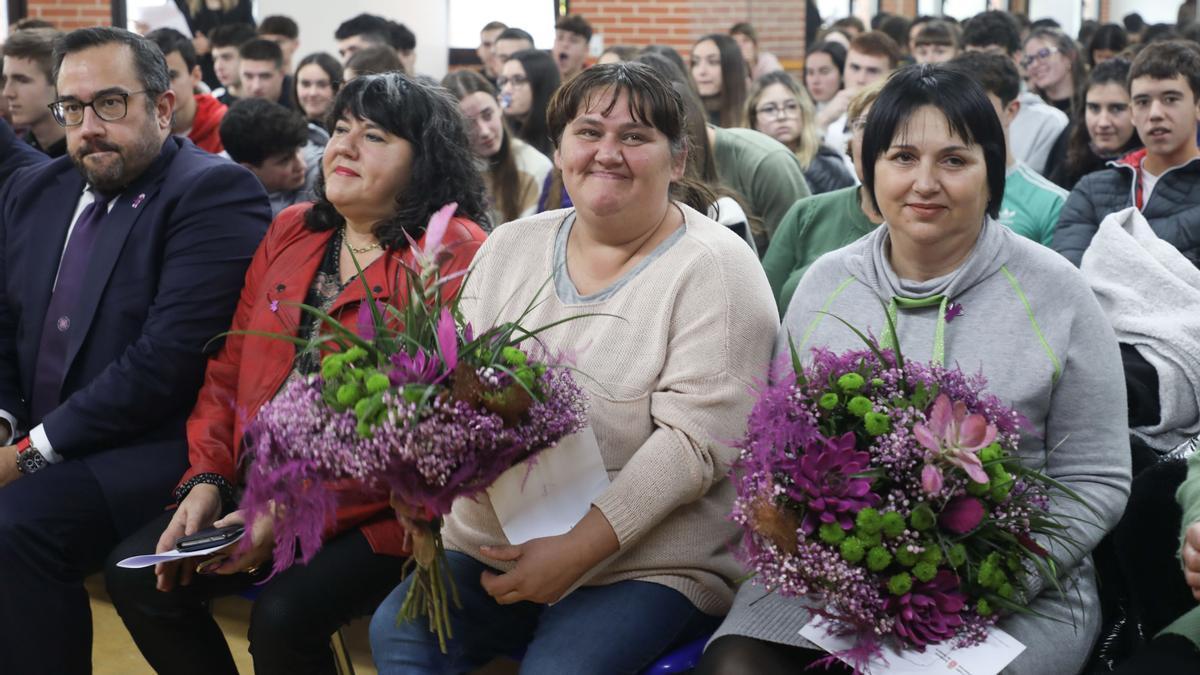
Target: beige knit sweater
[[669, 386]]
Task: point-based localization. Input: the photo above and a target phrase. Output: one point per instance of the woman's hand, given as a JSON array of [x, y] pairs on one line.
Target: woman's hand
[[198, 510], [262, 540], [1191, 558], [415, 521], [548, 567]]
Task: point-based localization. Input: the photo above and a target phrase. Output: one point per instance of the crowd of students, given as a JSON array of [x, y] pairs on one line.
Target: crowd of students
[[621, 181]]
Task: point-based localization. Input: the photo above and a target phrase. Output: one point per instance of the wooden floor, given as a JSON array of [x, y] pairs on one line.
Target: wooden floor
[[113, 651]]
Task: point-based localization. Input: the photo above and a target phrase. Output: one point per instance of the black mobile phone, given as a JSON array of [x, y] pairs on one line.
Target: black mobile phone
[[213, 536]]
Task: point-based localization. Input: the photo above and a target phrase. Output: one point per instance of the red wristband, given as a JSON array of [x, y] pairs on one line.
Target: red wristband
[[23, 445]]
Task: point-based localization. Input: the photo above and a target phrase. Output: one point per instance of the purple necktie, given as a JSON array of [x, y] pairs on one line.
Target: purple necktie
[[56, 329]]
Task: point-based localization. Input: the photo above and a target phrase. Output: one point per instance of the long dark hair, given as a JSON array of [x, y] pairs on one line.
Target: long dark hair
[[1110, 36], [837, 54], [731, 101], [502, 167], [1081, 159], [701, 161], [543, 76], [332, 68], [443, 166], [652, 100]]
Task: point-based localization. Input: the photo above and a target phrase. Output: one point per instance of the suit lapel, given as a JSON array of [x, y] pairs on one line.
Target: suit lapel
[[115, 229]]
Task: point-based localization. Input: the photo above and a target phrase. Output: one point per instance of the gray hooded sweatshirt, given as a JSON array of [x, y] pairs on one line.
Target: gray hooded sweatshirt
[[1024, 317]]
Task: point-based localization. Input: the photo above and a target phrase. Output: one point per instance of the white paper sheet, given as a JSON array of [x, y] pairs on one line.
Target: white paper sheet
[[139, 561], [550, 497], [986, 658]]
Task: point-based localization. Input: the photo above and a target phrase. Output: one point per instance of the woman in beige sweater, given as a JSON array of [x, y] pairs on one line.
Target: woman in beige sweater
[[669, 376]]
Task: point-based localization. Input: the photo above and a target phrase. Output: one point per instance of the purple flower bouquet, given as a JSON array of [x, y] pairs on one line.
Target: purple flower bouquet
[[415, 405], [890, 494]]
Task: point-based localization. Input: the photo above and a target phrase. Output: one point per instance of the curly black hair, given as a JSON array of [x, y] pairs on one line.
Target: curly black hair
[[443, 168]]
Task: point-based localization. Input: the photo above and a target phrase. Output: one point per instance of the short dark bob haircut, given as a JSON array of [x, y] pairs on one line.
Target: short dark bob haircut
[[443, 166], [960, 98]]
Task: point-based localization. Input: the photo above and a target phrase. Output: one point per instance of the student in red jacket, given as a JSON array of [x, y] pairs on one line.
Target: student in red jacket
[[399, 151], [197, 116]]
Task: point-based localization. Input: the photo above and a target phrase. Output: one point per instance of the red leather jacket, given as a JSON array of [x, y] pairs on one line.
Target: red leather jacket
[[249, 369]]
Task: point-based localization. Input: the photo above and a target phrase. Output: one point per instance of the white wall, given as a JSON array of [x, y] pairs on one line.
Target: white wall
[[1068, 14], [1159, 11], [428, 19], [467, 17]]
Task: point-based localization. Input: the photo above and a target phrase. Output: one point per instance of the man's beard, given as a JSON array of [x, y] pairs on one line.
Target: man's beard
[[123, 165]]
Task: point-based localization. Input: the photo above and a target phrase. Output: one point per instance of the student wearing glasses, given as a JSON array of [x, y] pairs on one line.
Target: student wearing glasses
[[1054, 66], [823, 223], [1037, 123], [780, 108]]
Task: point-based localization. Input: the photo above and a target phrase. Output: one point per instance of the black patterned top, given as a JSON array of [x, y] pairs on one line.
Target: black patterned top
[[324, 291]]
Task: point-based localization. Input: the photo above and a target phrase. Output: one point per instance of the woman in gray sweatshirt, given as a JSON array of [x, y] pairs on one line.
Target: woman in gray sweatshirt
[[965, 291]]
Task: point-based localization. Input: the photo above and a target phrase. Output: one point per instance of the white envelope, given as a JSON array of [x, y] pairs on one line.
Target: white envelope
[[139, 561], [551, 496], [987, 658]]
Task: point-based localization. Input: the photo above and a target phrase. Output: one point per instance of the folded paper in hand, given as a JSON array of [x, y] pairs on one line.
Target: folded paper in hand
[[550, 496], [139, 561]]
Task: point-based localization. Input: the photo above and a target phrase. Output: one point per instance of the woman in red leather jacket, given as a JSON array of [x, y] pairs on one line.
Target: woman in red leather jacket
[[399, 150]]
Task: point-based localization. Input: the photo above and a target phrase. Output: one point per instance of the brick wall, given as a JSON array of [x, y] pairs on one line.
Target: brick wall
[[900, 7], [70, 14], [780, 23]]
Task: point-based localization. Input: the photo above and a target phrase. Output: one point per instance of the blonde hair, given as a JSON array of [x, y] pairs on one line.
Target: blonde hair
[[194, 6], [807, 143]]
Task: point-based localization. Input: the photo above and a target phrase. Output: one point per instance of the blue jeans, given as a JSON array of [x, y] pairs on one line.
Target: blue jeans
[[618, 628]]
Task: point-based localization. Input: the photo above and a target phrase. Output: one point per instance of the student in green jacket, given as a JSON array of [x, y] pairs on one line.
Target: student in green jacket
[[822, 223], [1031, 203], [1162, 573]]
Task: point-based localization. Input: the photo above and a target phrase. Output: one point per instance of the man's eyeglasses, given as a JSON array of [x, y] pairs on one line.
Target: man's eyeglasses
[[770, 110], [515, 80], [109, 107], [1040, 55]]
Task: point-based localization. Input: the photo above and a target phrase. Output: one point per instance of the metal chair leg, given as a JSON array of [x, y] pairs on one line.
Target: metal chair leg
[[341, 655]]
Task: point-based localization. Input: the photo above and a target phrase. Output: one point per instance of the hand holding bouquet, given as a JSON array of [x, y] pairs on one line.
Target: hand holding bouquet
[[413, 405], [890, 493]]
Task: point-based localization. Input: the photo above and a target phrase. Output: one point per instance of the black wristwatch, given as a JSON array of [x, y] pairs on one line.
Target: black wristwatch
[[29, 459]]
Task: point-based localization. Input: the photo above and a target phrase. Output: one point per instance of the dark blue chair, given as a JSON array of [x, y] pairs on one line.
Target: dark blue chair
[[681, 660]]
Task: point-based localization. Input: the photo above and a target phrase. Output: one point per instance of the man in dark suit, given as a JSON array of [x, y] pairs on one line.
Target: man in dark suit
[[118, 265]]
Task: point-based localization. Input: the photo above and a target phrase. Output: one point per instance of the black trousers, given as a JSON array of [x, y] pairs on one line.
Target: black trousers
[[55, 530], [1146, 542], [294, 614]]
